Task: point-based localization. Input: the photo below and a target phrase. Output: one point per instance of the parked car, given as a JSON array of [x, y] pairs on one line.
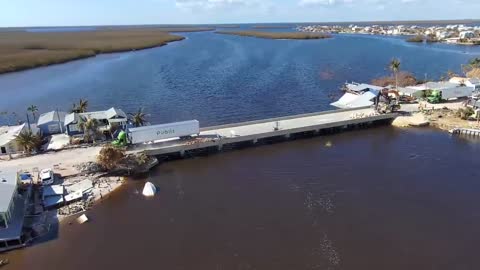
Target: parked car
[[46, 176]]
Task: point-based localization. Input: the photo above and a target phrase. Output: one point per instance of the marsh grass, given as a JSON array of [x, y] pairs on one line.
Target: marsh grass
[[21, 50], [277, 35]]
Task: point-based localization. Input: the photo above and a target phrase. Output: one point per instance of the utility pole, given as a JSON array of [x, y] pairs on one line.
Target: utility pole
[[59, 121]]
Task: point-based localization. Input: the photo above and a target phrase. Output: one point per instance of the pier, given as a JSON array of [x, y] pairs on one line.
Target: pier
[[230, 136]]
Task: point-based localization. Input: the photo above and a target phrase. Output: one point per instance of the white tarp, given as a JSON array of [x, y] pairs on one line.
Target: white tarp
[[354, 101], [149, 189]]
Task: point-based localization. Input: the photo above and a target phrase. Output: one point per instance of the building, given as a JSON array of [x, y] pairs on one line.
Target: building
[[8, 142], [51, 123], [13, 205], [467, 34], [448, 90], [107, 120], [470, 82]]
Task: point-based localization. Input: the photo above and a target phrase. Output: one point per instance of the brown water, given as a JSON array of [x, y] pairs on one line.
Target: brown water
[[376, 199]]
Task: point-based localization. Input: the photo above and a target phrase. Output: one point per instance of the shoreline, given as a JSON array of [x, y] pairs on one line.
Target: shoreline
[[20, 51], [277, 35]]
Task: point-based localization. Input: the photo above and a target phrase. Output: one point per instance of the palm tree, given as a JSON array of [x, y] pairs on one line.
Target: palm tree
[[5, 115], [138, 118], [28, 141], [81, 107], [33, 109], [90, 129], [394, 66]]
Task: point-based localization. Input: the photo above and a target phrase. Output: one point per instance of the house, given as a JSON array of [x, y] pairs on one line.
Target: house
[[13, 203], [107, 120], [470, 82], [51, 122], [8, 136], [466, 34]]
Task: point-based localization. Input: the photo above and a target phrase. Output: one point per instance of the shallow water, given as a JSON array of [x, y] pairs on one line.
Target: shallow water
[[222, 78], [380, 198]]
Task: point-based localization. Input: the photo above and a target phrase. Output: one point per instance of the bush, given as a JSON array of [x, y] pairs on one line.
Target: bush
[[109, 157], [464, 113], [417, 38], [404, 79]]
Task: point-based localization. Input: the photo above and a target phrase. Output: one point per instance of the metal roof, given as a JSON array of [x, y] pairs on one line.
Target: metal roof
[[100, 115], [51, 117], [10, 133], [8, 184]]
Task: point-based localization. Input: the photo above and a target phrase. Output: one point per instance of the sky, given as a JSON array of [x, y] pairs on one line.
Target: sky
[[15, 13]]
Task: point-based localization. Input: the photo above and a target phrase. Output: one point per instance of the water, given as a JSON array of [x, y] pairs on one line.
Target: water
[[381, 198], [221, 78]]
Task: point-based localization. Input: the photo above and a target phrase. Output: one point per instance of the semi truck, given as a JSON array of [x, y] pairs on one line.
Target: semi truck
[[151, 133]]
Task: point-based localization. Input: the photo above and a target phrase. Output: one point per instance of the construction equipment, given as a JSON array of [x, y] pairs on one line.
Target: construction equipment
[[387, 104], [121, 139], [434, 97]]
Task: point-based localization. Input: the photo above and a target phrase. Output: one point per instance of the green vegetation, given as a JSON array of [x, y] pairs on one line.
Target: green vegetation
[[33, 110], [272, 26], [28, 141], [394, 66], [404, 79], [138, 118], [417, 38], [25, 50], [81, 107], [90, 129], [464, 113], [277, 35]]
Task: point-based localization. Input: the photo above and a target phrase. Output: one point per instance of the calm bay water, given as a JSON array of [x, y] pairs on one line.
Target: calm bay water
[[377, 199], [220, 79], [381, 198]]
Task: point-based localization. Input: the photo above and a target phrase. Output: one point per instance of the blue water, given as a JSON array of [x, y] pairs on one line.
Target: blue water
[[221, 78]]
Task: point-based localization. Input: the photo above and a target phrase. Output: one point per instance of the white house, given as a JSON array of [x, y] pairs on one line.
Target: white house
[[107, 120], [8, 142]]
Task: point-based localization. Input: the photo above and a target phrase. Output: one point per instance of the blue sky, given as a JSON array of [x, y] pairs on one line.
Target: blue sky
[[114, 12]]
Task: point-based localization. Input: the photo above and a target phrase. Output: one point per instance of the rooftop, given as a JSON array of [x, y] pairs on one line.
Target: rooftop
[[111, 113], [8, 184], [8, 133], [51, 116]]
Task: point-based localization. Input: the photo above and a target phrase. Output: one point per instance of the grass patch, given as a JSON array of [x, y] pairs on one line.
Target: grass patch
[[25, 50], [272, 26], [276, 35], [418, 38]]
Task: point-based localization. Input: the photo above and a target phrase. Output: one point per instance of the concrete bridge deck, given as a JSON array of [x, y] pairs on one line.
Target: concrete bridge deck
[[254, 131]]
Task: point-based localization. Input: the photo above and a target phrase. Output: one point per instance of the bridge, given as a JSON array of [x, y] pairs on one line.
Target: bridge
[[250, 133]]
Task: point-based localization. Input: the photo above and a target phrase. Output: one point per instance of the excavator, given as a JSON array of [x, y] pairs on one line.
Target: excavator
[[385, 103]]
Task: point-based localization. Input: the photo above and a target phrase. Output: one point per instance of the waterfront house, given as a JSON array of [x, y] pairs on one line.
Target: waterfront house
[[107, 120], [51, 123], [13, 203], [8, 136]]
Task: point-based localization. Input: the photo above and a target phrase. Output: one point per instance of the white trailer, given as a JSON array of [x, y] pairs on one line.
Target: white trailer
[[164, 131]]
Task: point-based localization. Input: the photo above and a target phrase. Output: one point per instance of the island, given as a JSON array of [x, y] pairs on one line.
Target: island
[[21, 49], [277, 35]]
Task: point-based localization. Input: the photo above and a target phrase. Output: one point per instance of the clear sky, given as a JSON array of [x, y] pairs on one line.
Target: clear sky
[[114, 12]]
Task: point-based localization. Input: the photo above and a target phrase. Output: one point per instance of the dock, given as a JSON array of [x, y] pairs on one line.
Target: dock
[[230, 136], [466, 131]]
